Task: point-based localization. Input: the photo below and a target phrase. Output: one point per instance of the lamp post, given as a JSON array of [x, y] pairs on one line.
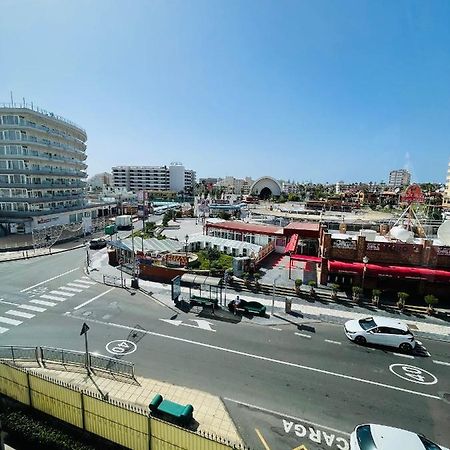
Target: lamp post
[[273, 292], [365, 261], [290, 264], [186, 239]]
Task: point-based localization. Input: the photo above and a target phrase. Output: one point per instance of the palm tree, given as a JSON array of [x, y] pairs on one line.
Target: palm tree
[[298, 285], [356, 293], [312, 284], [402, 296], [431, 300], [334, 290], [376, 296]]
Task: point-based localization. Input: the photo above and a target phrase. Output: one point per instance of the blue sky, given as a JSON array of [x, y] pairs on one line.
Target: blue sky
[[304, 90]]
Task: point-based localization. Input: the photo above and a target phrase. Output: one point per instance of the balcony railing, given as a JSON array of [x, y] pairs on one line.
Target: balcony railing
[[32, 107], [41, 171], [45, 158]]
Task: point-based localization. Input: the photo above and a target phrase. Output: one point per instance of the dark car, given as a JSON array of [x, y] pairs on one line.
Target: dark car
[[248, 307], [95, 244]]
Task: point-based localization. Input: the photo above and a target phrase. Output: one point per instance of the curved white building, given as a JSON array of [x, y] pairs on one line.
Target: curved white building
[[42, 169]]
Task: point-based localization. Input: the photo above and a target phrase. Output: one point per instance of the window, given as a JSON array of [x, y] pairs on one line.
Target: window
[[428, 444], [365, 438], [367, 324]]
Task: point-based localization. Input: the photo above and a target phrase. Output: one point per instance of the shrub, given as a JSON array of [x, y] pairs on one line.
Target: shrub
[[298, 283], [431, 300]]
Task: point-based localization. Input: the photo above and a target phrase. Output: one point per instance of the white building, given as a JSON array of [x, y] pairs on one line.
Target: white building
[[174, 178], [399, 178], [42, 170], [98, 181], [236, 186], [446, 197]]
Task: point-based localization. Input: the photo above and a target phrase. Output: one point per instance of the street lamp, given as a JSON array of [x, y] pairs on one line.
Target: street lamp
[[365, 261], [290, 264], [186, 239], [273, 292]]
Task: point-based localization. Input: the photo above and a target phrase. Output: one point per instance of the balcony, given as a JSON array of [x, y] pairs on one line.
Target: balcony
[[31, 185], [43, 199], [39, 171]]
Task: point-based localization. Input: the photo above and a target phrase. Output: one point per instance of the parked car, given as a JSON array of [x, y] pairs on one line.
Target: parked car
[[248, 307], [95, 244], [381, 331], [381, 437]]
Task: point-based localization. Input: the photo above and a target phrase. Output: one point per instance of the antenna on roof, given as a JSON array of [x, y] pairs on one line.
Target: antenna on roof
[[12, 101]]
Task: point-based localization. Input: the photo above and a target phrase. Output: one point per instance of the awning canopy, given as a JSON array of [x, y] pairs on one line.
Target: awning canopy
[[393, 271], [201, 279], [292, 244]]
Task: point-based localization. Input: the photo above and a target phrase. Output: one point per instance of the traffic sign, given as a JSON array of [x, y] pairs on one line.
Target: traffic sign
[[84, 329]]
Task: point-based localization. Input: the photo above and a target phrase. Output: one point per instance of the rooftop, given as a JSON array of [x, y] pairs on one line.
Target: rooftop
[[244, 227]]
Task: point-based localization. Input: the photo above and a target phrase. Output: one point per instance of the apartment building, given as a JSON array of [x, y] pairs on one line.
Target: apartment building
[[42, 169], [174, 178], [399, 178]]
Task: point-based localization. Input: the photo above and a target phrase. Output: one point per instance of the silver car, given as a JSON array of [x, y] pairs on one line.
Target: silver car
[[381, 331]]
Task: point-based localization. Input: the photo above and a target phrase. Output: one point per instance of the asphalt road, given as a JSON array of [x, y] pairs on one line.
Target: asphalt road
[[283, 386]]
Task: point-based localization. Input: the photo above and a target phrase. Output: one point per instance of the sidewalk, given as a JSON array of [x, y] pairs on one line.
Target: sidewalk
[[209, 411], [302, 310]]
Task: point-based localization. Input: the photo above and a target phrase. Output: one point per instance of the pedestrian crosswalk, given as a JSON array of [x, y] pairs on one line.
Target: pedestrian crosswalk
[[40, 302]]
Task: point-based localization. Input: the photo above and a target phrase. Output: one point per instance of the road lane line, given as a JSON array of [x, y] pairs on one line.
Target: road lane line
[[307, 336], [4, 302], [261, 438], [92, 299], [297, 419], [333, 342], [53, 297], [262, 358], [32, 308], [85, 282], [49, 279], [442, 363], [42, 302], [70, 289], [10, 321], [404, 355], [75, 285], [66, 294], [12, 312], [3, 330]]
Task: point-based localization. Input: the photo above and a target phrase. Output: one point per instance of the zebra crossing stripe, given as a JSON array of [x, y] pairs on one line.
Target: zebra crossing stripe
[[91, 283], [3, 330], [53, 297], [32, 308], [83, 286], [13, 312], [42, 302], [70, 289], [66, 294], [10, 321]]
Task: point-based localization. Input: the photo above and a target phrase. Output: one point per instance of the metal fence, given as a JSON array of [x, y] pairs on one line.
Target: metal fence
[[19, 353], [111, 280], [62, 356], [48, 355], [105, 363]]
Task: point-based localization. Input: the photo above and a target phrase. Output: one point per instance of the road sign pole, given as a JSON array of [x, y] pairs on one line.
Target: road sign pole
[[84, 330]]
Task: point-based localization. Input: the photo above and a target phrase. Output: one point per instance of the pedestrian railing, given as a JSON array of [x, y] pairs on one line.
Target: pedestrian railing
[[45, 356], [112, 280], [21, 354]]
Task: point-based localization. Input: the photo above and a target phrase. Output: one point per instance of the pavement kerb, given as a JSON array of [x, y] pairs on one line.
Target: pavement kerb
[[54, 252]]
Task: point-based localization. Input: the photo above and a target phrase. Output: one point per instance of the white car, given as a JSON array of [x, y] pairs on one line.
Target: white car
[[381, 331], [381, 437]]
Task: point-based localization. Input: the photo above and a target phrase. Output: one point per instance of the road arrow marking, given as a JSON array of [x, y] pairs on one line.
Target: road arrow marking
[[177, 323], [302, 447]]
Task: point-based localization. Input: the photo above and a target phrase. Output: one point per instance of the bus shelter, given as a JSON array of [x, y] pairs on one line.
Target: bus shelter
[[211, 287]]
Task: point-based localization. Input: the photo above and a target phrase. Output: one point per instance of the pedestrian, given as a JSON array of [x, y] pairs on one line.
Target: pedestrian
[[236, 304]]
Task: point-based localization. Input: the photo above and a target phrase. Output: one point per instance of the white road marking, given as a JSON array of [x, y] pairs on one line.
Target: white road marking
[[42, 302], [32, 308], [264, 358], [49, 279], [3, 330], [442, 363], [85, 282], [53, 297], [277, 329], [70, 289], [333, 342], [78, 285], [66, 294], [307, 336], [8, 303], [13, 312], [92, 299], [10, 321], [404, 355], [297, 419], [85, 277]]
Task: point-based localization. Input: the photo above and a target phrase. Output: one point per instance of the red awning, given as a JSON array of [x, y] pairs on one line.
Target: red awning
[[306, 258], [393, 271], [292, 244]]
